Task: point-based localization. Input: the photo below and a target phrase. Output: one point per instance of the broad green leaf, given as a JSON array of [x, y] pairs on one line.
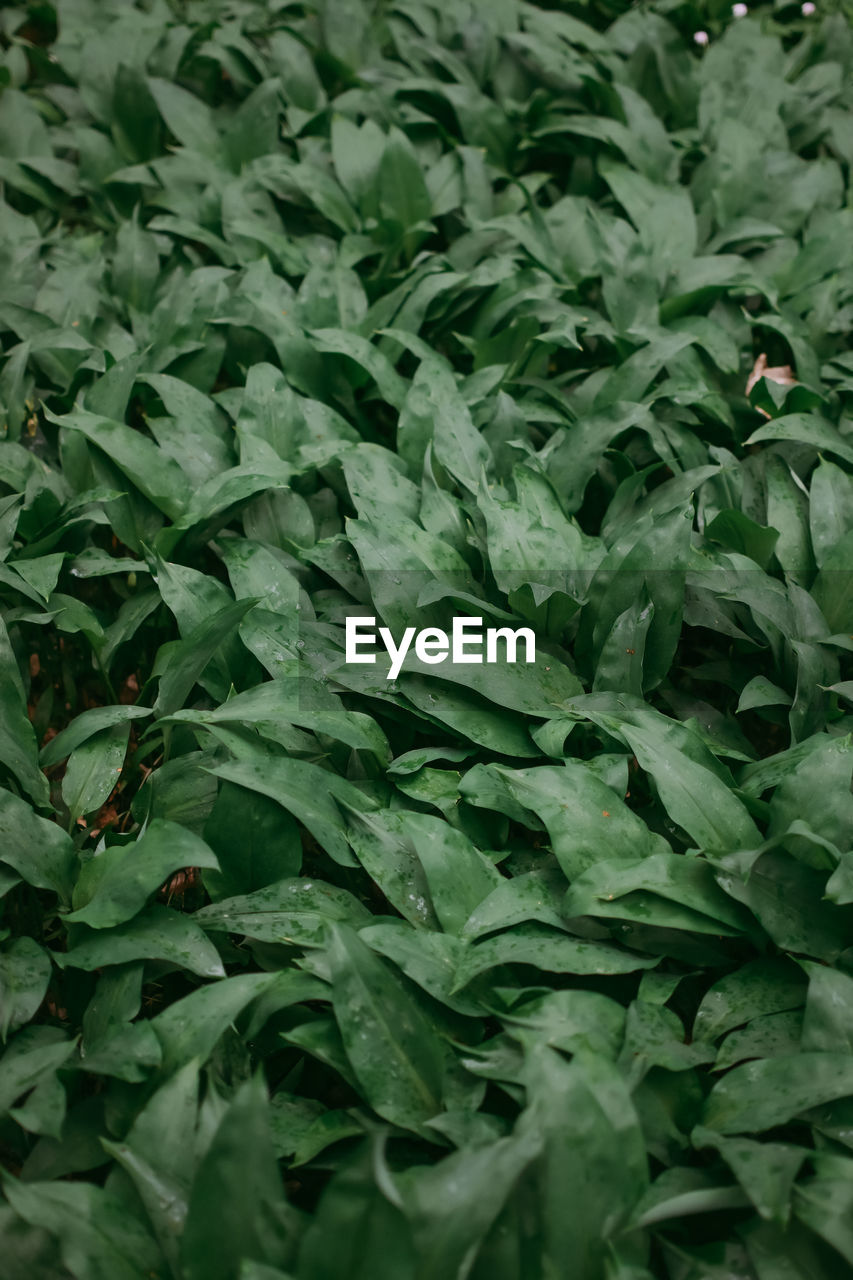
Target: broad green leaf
[[761, 692], [136, 266], [190, 1027], [766, 1036], [545, 949], [428, 958], [825, 771], [42, 573], [188, 657], [530, 896], [622, 888], [234, 1211], [292, 911], [98, 1238], [739, 533], [435, 412], [403, 195], [94, 769], [570, 1020], [254, 842], [153, 472], [157, 933], [313, 795], [693, 794], [458, 875], [117, 882], [761, 1095], [29, 1057], [25, 971], [825, 1025], [187, 117], [389, 1041], [593, 1151], [755, 989], [39, 851], [353, 1202], [830, 508], [158, 1153], [85, 726], [787, 511], [824, 1203], [765, 1170], [808, 429], [368, 357], [384, 846], [586, 819], [792, 902], [451, 1205]]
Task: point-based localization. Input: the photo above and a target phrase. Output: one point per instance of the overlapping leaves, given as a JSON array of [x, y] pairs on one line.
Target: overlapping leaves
[[418, 311]]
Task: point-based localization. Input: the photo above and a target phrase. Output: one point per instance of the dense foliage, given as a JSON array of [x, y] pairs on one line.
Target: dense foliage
[[419, 309]]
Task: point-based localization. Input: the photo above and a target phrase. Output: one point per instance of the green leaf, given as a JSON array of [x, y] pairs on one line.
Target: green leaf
[[93, 770], [623, 888], [116, 883], [761, 1095], [154, 473], [85, 726], [293, 911], [593, 1152], [30, 1056], [761, 692], [98, 1238], [188, 658], [159, 1155], [736, 531], [390, 1043], [585, 817], [368, 357], [353, 1202], [692, 793], [235, 1211], [531, 896], [403, 195], [830, 508], [136, 266], [824, 1203], [451, 1205], [827, 770], [42, 573], [757, 988], [190, 1027], [435, 412], [765, 1170], [254, 842], [307, 791], [806, 428], [826, 1026], [18, 749], [39, 851], [155, 934], [548, 950], [459, 877], [25, 971], [384, 846], [187, 117]]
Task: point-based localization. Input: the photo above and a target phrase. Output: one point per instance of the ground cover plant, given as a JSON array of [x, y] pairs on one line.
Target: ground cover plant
[[418, 310]]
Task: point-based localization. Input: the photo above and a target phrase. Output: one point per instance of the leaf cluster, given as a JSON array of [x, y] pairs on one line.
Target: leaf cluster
[[415, 310]]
